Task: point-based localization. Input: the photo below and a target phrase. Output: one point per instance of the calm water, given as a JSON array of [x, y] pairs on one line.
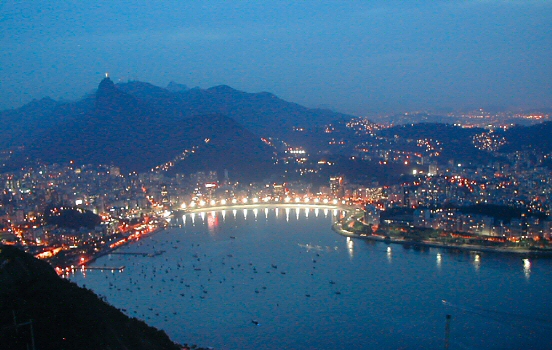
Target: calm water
[[310, 288]]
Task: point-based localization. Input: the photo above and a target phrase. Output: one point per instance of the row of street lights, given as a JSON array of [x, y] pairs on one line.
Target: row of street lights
[[255, 200]]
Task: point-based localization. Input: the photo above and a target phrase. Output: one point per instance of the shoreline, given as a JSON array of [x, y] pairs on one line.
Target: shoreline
[[524, 252], [338, 228], [108, 250]]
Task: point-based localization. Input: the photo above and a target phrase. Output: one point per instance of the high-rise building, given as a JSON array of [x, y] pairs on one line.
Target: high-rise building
[[336, 186]]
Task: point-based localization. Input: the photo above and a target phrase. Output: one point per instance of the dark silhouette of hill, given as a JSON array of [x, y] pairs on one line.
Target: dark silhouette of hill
[[64, 315], [536, 137], [140, 134], [26, 122], [139, 126], [223, 144], [456, 142], [175, 87], [71, 217]]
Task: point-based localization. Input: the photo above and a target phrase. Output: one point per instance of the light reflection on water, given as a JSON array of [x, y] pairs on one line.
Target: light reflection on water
[[311, 288], [527, 268], [351, 247], [477, 262]]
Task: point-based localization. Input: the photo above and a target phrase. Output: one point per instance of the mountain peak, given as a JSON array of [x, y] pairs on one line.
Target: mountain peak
[[112, 100], [106, 85], [222, 89], [176, 87], [45, 103]]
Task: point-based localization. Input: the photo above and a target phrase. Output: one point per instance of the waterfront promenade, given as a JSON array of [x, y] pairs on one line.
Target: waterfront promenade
[[262, 205]]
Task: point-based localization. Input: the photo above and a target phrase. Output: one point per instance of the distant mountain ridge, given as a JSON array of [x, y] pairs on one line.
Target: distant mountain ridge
[[115, 127], [139, 126], [161, 123], [262, 113]]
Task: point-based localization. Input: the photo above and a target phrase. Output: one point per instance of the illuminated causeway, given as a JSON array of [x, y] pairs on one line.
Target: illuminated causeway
[[255, 202]]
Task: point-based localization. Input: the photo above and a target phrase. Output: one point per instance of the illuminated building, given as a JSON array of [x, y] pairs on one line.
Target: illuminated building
[[336, 186], [278, 190], [164, 195]]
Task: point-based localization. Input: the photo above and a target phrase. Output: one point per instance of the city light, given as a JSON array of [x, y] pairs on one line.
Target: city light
[[200, 203]]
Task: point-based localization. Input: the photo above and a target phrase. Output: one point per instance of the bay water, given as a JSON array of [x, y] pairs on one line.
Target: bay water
[[280, 278]]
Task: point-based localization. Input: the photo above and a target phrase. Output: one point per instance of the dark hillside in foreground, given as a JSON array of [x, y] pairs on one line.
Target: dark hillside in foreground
[[64, 315]]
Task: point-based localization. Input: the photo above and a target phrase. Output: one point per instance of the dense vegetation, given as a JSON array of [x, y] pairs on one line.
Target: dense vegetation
[[499, 212], [71, 218], [503, 213]]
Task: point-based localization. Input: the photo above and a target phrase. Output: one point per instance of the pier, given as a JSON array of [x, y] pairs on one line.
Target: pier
[[159, 252], [129, 253], [112, 268]]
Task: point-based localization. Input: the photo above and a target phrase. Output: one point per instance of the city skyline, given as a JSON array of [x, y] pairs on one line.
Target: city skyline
[[269, 175], [377, 57]]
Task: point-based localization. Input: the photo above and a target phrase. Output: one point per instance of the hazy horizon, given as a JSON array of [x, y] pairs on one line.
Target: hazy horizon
[[357, 58]]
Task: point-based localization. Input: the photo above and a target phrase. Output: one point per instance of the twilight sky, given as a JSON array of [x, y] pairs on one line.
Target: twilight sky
[[356, 57]]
